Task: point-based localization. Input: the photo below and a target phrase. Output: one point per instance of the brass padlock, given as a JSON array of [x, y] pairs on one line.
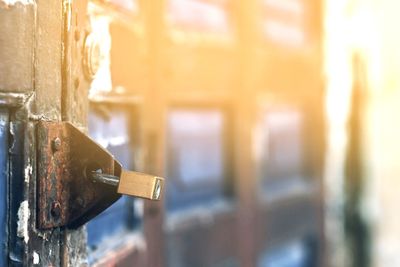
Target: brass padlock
[[134, 184]]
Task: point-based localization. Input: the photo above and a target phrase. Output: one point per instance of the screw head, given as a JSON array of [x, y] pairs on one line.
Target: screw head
[[80, 201], [57, 144], [55, 209]]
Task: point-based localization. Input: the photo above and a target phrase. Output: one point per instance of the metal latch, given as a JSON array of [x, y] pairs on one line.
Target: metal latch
[[78, 179]]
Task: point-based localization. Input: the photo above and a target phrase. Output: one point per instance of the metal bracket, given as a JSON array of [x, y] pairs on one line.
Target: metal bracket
[[66, 159]]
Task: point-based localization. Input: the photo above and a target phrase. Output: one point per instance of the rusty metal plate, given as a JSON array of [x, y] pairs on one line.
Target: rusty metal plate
[[67, 196]]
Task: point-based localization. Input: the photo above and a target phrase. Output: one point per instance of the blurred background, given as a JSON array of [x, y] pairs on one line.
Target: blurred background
[[273, 121]]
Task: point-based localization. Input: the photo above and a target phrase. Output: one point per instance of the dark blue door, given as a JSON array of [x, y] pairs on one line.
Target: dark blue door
[[3, 184]]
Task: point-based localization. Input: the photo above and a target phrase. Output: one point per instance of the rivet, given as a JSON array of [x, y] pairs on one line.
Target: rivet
[[57, 144], [80, 201], [55, 209]]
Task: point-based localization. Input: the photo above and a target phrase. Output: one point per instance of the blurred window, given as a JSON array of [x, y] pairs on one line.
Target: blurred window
[[128, 5], [293, 254], [196, 156], [111, 126], [281, 148], [199, 15], [285, 22]]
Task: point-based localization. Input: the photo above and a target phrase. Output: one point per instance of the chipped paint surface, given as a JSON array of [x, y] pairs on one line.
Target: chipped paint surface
[[23, 218], [27, 173], [36, 258]]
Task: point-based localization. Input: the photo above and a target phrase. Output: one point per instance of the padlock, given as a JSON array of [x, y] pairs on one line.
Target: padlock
[[131, 183]]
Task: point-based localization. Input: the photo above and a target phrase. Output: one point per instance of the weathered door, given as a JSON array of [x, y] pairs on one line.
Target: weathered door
[[4, 132], [226, 78], [50, 55]]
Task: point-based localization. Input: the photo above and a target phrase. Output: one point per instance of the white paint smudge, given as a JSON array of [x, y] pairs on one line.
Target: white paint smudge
[[36, 258], [28, 173], [22, 224]]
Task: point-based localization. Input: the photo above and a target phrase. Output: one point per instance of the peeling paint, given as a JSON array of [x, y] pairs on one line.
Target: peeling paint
[[22, 224], [36, 258], [41, 234], [29, 104], [13, 99], [28, 173], [12, 134]]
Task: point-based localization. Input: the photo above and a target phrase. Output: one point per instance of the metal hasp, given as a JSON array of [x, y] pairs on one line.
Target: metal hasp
[[67, 195]]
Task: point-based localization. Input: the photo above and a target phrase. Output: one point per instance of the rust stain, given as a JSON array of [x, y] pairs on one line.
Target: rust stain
[[67, 196]]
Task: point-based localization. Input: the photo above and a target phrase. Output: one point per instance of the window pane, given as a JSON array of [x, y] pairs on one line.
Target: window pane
[[285, 22], [195, 156], [199, 15], [281, 147], [293, 254], [129, 5]]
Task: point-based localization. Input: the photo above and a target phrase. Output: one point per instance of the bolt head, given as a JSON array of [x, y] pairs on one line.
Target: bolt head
[[55, 209], [80, 201], [57, 144]]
